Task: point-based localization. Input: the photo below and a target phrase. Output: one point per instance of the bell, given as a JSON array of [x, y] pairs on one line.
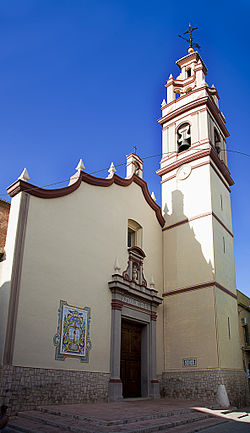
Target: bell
[[218, 149], [184, 145]]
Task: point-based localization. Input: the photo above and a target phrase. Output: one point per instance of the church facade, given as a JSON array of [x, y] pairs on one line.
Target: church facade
[[106, 296]]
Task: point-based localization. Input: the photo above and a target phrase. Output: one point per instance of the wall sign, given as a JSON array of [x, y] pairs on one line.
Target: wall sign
[[190, 362], [72, 337]]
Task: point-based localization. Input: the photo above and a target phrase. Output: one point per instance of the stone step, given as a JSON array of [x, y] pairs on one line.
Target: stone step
[[18, 425], [48, 422], [197, 426], [126, 420]]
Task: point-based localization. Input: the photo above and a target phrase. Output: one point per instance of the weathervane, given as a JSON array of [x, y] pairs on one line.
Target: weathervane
[[190, 39]]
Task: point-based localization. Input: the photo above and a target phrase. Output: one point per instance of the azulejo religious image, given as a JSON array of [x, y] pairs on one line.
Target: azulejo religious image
[[72, 337]]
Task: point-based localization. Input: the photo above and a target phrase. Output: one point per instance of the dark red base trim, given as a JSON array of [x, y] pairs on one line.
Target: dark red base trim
[[116, 304], [115, 381], [200, 286], [186, 220], [154, 381]]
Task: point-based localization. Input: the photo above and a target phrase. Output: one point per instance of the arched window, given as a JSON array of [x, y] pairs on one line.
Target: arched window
[[134, 234], [189, 89], [217, 141], [183, 137], [177, 93]]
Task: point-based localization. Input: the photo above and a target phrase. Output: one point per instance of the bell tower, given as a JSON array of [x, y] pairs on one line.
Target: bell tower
[[202, 348]]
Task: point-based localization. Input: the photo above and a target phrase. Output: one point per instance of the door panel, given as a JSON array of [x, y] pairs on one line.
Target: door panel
[[131, 359]]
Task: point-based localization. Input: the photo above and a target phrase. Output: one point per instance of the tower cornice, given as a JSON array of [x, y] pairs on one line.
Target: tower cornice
[[191, 57], [209, 152], [202, 101]]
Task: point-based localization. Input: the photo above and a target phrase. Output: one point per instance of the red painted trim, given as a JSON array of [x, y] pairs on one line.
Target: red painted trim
[[199, 286], [221, 178], [135, 156], [115, 381], [154, 381], [179, 99], [223, 225], [181, 83], [193, 167], [181, 161], [21, 185], [221, 166], [134, 295], [153, 315], [193, 157], [116, 304], [204, 100], [186, 220], [191, 58], [200, 165], [137, 250], [168, 178]]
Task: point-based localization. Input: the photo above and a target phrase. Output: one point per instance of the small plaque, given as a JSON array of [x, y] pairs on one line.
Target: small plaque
[[190, 362]]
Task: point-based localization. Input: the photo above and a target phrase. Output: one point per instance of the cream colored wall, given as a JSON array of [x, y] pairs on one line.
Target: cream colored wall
[[224, 261], [229, 346], [188, 254], [188, 248], [6, 267], [218, 189], [189, 197], [70, 248], [190, 330]]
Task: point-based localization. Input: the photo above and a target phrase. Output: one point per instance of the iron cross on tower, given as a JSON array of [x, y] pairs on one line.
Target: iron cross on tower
[[190, 39]]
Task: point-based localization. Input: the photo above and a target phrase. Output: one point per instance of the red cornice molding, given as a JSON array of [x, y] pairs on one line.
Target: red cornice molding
[[181, 83], [197, 155], [202, 215], [22, 186], [211, 152], [223, 225], [180, 98], [204, 100], [200, 286]]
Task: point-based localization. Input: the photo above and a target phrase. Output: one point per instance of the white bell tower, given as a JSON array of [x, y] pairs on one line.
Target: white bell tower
[[200, 306]]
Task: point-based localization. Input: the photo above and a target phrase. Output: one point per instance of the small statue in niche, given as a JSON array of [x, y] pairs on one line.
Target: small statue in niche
[[135, 273]]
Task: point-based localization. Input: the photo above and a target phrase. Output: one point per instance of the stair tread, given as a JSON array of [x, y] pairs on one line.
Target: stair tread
[[109, 422], [196, 427], [30, 426], [56, 422]]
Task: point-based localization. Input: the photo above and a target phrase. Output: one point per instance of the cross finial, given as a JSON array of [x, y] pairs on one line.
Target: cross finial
[[135, 149], [190, 39]]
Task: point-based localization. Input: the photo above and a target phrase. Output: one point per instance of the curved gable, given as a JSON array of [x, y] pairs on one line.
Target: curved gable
[[21, 185]]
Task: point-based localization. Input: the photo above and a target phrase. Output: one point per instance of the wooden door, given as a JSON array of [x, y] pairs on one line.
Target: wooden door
[[131, 359]]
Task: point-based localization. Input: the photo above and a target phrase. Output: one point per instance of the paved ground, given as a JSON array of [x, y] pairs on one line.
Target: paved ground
[[229, 427], [132, 416]]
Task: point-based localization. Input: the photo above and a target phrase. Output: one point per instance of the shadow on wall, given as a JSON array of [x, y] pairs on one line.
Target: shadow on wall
[[190, 263], [4, 309]]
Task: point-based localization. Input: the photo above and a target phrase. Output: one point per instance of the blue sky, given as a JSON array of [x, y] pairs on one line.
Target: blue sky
[[86, 79]]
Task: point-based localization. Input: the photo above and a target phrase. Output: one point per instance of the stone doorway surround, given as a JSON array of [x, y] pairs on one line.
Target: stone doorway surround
[[134, 301]]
